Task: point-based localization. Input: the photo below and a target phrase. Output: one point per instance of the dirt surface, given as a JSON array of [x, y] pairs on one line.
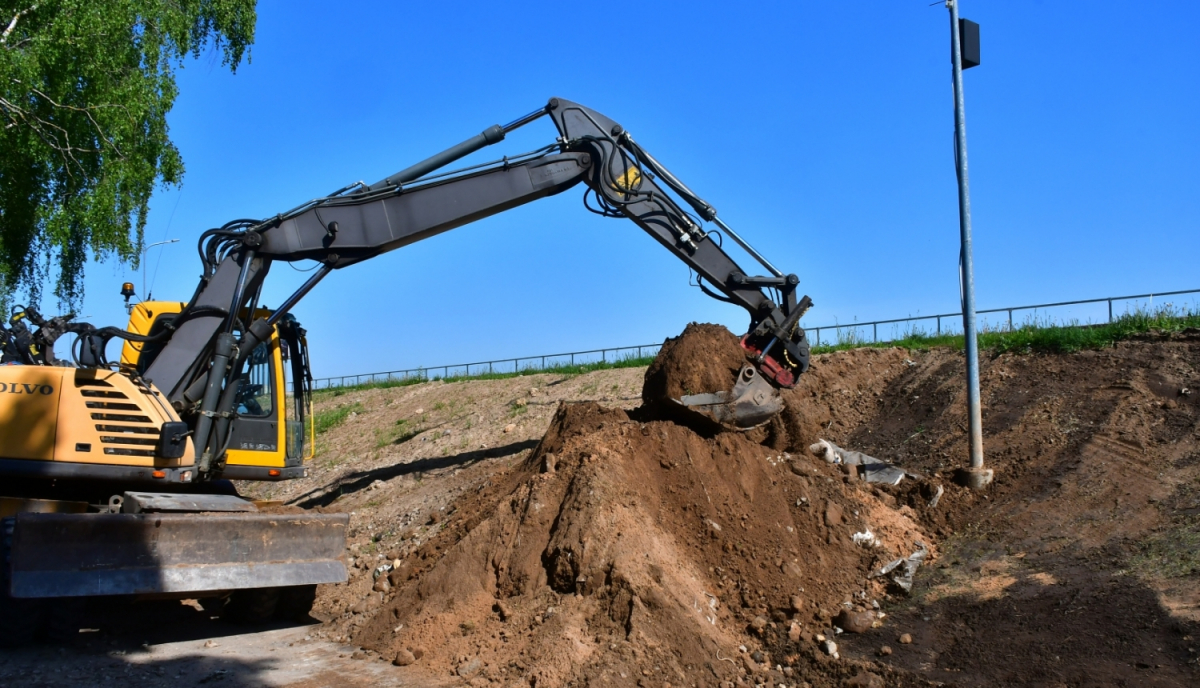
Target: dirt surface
[[171, 644], [1079, 566], [551, 530], [622, 549]]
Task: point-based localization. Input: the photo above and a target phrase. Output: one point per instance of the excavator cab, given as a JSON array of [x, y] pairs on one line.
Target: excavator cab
[[271, 435]]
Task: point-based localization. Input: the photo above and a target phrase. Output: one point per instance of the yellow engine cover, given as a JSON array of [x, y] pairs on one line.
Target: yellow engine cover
[[82, 416]]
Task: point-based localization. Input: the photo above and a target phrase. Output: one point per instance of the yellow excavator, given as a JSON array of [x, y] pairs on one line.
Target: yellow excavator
[[115, 476]]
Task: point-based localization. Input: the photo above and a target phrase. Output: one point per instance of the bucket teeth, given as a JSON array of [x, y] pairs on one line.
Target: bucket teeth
[[751, 403]]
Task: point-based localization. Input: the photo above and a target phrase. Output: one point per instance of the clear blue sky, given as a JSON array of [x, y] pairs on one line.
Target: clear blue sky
[[822, 131]]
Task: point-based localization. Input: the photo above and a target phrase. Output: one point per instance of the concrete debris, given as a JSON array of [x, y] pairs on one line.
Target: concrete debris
[[904, 568], [937, 496], [830, 648], [866, 538], [866, 467], [469, 668]]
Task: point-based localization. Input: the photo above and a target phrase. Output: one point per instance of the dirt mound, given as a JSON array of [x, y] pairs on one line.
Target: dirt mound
[[628, 548], [703, 358], [623, 550]]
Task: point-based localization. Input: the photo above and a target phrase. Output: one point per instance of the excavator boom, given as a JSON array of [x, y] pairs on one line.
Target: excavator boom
[[363, 221]]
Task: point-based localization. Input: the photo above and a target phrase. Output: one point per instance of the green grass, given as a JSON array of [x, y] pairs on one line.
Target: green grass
[[399, 433], [329, 419], [1170, 553], [1031, 337], [1041, 337]]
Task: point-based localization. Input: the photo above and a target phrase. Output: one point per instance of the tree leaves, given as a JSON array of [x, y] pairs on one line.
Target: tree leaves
[[85, 88]]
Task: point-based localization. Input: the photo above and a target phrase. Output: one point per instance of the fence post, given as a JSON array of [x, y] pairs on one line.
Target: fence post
[[572, 359], [1010, 320], [874, 333], [939, 319], [1110, 311]]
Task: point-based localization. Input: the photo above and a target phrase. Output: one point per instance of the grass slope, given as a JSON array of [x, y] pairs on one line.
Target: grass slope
[[1032, 337]]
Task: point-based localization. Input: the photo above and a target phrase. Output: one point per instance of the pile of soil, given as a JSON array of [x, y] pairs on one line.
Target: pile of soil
[[630, 548], [704, 358]]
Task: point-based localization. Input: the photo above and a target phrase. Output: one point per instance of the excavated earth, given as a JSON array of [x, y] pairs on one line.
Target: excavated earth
[[627, 547], [575, 530]]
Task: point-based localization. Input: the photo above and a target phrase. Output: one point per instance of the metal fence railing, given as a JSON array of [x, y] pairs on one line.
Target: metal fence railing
[[848, 332], [503, 365], [857, 330]]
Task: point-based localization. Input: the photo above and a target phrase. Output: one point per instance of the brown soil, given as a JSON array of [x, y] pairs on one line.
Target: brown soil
[[623, 548], [704, 358], [646, 551]]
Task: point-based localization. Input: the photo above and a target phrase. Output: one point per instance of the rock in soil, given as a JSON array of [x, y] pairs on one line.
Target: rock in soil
[[404, 658], [854, 622], [865, 679]]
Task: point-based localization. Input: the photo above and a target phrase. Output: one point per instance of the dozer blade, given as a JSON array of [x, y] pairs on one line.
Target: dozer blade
[[751, 402], [70, 555]]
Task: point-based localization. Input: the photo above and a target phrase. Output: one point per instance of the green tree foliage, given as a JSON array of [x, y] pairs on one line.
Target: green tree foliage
[[85, 88]]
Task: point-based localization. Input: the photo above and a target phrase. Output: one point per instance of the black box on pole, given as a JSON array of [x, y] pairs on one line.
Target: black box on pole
[[968, 39]]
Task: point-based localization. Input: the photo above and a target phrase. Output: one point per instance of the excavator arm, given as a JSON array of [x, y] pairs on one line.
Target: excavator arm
[[198, 361]]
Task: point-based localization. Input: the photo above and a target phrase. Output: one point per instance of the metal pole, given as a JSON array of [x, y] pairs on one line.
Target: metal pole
[[1110, 311], [142, 260], [976, 476]]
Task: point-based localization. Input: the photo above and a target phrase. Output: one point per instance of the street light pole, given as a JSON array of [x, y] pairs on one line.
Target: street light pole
[[143, 260], [976, 476]]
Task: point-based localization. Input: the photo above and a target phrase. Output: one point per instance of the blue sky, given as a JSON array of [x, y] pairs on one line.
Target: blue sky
[[821, 131]]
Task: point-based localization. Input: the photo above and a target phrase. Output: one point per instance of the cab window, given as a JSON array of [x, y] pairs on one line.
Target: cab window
[[254, 396]]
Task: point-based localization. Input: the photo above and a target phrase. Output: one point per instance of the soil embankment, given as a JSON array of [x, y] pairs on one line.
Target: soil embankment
[[624, 548]]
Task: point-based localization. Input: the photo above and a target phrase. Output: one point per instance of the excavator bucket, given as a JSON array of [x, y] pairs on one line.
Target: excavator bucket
[[751, 403], [71, 555]]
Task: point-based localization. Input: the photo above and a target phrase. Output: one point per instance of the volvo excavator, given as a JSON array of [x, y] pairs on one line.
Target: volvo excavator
[[115, 475]]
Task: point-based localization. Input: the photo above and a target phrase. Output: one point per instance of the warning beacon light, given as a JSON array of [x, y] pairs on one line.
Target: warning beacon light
[[127, 291]]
